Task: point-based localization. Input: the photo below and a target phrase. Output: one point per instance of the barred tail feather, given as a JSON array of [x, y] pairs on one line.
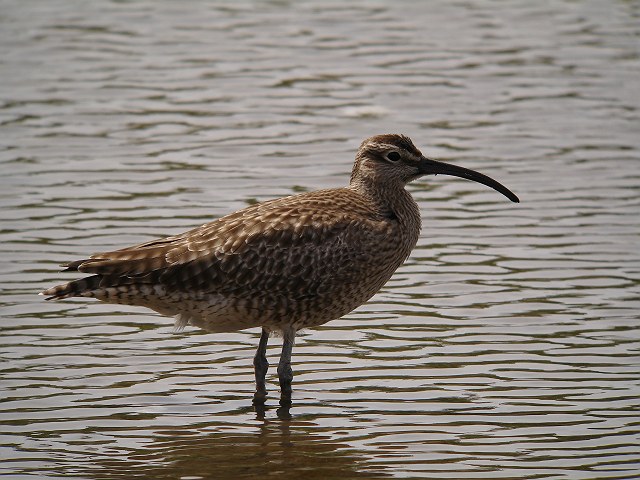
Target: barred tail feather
[[76, 288]]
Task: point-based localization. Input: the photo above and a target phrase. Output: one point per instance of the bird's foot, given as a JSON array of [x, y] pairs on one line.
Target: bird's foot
[[285, 398], [260, 397], [283, 412]]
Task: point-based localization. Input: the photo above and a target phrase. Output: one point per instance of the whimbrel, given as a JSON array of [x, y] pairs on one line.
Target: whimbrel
[[285, 264]]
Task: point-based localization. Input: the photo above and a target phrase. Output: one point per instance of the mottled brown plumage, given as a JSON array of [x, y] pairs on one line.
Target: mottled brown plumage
[[284, 264]]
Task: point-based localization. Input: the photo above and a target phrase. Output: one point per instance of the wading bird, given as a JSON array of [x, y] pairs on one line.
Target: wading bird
[[283, 265]]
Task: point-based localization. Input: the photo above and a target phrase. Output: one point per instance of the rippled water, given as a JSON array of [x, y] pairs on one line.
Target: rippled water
[[506, 347]]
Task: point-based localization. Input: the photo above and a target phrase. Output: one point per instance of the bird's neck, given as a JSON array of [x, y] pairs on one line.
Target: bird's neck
[[391, 200]]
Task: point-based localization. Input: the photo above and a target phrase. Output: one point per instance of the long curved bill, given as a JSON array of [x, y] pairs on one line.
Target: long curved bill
[[433, 167]]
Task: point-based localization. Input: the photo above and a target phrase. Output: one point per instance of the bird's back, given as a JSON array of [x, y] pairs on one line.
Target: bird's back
[[301, 260]]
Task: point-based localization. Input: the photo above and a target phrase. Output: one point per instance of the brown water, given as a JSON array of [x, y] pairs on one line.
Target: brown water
[[506, 347]]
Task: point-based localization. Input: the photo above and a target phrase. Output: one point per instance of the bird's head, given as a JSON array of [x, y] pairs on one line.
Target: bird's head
[[394, 159]]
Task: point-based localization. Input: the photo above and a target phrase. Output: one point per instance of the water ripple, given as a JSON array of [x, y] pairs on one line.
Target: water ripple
[[506, 346]]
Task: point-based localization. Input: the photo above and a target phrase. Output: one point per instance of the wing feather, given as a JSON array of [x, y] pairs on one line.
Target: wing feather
[[266, 247]]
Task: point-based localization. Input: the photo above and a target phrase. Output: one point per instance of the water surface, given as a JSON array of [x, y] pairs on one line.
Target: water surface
[[507, 345]]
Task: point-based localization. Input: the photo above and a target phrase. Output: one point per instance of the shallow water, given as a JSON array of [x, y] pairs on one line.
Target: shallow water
[[506, 347]]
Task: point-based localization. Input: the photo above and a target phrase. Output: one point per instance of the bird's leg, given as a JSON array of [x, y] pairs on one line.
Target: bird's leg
[[285, 374], [260, 365]]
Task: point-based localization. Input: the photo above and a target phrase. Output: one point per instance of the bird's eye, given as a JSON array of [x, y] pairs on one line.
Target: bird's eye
[[393, 156]]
